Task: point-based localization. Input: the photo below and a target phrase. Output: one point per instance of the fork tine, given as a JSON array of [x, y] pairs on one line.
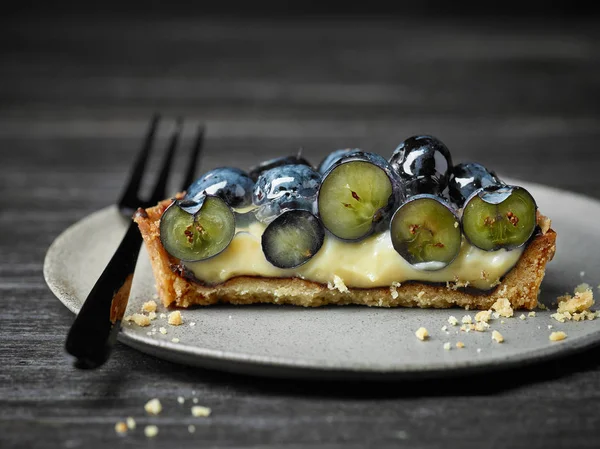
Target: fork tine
[[196, 152], [129, 197], [160, 187]]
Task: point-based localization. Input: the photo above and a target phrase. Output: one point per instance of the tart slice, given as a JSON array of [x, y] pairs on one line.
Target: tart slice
[[414, 230]]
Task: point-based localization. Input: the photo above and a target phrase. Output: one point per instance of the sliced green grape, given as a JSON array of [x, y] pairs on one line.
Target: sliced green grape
[[353, 198], [425, 231], [499, 217], [193, 231]]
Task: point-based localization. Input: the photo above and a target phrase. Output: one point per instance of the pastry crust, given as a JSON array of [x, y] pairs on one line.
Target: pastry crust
[[520, 285]]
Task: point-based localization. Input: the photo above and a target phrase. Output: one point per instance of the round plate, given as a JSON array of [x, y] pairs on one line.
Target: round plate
[[339, 342]]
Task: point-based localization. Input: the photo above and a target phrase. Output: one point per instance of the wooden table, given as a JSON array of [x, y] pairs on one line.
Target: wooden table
[[520, 96]]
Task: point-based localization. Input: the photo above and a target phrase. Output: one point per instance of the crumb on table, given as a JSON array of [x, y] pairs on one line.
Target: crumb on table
[[153, 407], [121, 428], [200, 411], [150, 431]]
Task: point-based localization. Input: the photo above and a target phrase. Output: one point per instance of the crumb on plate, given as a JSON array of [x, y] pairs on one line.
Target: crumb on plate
[[557, 336], [497, 337], [483, 316], [175, 318], [149, 306], [503, 307], [139, 319], [422, 333]]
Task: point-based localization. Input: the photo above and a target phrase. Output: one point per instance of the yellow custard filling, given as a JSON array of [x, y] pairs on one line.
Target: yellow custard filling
[[372, 262]]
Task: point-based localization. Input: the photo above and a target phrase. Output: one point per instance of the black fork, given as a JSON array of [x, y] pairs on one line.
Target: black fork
[[95, 329]]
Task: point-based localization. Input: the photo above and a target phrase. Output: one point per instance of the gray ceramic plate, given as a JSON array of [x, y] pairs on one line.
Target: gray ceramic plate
[[340, 342]]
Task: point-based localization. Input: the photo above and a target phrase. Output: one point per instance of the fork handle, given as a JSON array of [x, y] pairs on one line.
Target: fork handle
[[94, 331]]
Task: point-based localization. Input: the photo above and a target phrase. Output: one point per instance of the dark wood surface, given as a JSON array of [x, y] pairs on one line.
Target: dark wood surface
[[519, 95]]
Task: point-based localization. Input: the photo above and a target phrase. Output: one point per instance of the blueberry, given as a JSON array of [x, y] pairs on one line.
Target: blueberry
[[292, 239], [358, 194], [467, 178], [423, 164], [283, 188], [233, 185], [331, 159], [257, 170]]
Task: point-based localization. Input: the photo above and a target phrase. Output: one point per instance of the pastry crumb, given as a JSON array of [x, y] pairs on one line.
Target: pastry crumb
[[481, 326], [192, 324], [447, 346], [121, 428], [422, 334], [149, 306], [467, 327], [457, 284], [200, 411], [531, 314], [338, 284], [483, 316], [180, 399], [163, 315], [522, 317], [497, 336], [582, 300], [452, 320], [139, 319], [130, 423], [191, 428], [153, 407], [175, 318], [162, 330], [467, 319], [543, 222], [503, 307], [152, 315], [444, 328], [150, 431], [557, 336], [460, 344], [478, 350], [175, 340], [394, 289]]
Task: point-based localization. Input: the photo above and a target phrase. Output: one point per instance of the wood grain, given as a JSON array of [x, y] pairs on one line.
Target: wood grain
[[75, 94]]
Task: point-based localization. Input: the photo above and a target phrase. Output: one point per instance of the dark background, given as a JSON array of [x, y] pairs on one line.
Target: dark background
[[513, 85]]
